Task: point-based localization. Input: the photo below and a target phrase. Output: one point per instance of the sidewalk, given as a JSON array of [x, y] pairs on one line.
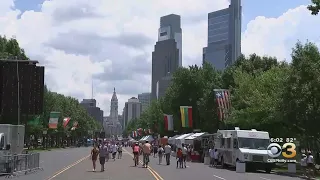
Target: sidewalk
[[120, 169]]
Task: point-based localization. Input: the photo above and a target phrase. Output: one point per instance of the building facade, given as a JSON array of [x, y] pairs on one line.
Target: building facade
[[224, 36], [91, 107], [145, 100], [167, 54], [112, 125], [132, 110]]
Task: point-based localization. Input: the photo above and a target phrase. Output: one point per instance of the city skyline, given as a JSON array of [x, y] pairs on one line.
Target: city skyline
[[107, 48]]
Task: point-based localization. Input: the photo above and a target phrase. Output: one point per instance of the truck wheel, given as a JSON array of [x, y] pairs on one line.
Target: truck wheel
[[268, 170]]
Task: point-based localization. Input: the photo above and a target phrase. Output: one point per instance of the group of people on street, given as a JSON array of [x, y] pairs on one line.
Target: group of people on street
[[162, 151], [308, 164], [102, 150], [214, 157]]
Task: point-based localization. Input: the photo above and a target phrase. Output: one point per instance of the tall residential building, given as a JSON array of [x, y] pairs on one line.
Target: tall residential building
[[144, 99], [112, 125], [91, 107], [167, 54], [132, 110], [224, 36]]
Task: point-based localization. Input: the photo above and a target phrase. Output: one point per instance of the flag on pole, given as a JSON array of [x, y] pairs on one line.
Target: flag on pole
[[139, 131], [186, 116], [53, 120], [134, 133], [66, 121], [168, 122], [224, 102]]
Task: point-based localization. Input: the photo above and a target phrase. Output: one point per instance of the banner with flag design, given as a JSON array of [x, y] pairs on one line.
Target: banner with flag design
[[223, 101], [66, 121], [168, 122], [53, 120], [186, 116], [134, 134]]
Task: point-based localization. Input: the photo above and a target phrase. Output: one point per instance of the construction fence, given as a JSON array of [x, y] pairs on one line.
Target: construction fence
[[20, 164]]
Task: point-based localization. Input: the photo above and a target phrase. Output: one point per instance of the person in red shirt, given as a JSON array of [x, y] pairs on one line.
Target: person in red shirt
[[179, 158]]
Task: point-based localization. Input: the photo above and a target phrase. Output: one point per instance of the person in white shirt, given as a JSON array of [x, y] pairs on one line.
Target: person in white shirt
[[310, 164], [167, 152], [303, 163], [211, 153], [114, 151], [119, 151], [184, 155]]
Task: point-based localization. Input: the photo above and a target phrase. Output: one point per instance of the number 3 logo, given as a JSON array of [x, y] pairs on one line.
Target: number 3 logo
[[291, 147]]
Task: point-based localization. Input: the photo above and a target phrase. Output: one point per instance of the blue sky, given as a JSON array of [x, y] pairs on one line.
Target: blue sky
[[251, 8]]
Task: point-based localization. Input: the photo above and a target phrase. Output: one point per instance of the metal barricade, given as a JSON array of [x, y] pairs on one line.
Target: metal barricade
[[14, 165]]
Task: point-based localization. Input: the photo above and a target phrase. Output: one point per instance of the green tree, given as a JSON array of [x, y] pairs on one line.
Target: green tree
[[314, 7], [10, 49], [301, 97]]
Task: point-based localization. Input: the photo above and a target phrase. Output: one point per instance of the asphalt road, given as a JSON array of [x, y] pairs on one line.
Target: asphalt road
[[73, 164], [55, 160], [199, 171]]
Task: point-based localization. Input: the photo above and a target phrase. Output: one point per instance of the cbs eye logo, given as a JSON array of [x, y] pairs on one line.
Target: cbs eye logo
[[288, 150]]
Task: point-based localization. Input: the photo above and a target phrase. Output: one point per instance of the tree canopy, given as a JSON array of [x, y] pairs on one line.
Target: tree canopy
[[314, 7], [266, 94], [66, 105]]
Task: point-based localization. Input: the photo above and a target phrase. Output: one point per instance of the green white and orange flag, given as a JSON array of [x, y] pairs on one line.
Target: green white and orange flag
[[186, 116]]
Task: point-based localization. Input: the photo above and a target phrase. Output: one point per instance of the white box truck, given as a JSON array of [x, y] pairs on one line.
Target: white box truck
[[246, 146]]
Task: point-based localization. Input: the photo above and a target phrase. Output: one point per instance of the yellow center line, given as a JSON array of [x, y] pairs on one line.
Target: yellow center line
[[152, 171], [68, 167]]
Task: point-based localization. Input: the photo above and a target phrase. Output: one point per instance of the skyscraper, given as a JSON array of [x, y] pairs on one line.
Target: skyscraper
[[224, 36], [112, 125], [167, 55], [91, 106], [144, 99], [132, 110]]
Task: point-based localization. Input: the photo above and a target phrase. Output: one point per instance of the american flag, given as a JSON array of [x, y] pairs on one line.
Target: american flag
[[223, 101]]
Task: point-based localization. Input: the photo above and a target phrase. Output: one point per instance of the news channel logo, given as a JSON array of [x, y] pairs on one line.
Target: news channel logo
[[282, 146]]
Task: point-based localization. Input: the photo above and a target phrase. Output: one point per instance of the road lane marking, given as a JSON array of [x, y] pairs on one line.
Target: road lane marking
[[152, 171], [264, 178], [219, 177], [68, 167]]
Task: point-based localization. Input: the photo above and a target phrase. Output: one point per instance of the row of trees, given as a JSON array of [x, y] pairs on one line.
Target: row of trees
[[266, 94], [67, 106]]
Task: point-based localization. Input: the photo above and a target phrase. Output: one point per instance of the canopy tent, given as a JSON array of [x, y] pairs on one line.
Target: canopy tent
[[190, 139], [142, 138], [172, 140], [132, 140], [147, 138], [181, 139]]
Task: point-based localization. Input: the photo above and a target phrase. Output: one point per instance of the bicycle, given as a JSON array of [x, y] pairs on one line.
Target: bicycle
[[136, 159]]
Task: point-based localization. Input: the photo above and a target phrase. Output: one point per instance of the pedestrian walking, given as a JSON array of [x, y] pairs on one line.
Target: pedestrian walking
[[160, 153], [211, 153], [216, 158], [114, 151], [94, 156], [119, 151], [167, 152], [303, 163], [179, 158], [184, 155], [155, 150], [103, 151]]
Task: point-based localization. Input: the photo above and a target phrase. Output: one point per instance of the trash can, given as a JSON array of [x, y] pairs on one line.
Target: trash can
[[240, 167], [292, 168]]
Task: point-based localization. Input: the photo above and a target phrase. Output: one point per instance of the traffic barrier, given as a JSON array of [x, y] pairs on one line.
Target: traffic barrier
[[20, 164]]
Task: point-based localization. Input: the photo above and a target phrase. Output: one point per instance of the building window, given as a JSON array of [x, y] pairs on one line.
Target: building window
[[218, 19], [219, 37], [163, 34]]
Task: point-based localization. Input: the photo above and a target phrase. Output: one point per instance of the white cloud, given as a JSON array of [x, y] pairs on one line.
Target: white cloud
[[97, 25]]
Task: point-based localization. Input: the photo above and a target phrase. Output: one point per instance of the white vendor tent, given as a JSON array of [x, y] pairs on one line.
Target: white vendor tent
[[172, 140], [181, 139], [190, 139], [147, 138], [142, 138]]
